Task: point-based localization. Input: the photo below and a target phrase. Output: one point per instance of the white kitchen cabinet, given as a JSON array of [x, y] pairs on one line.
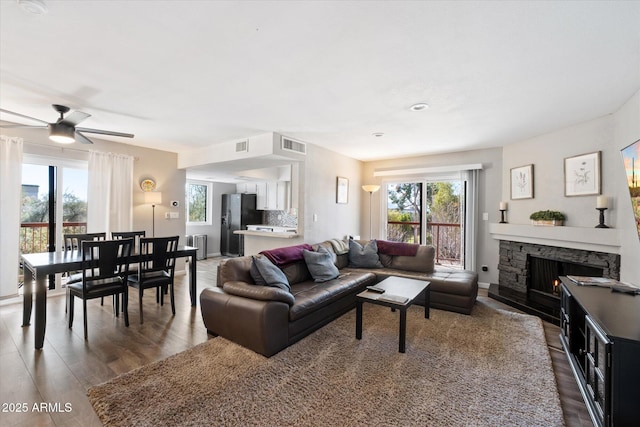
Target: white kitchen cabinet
[[262, 196], [270, 195], [282, 195], [246, 187]]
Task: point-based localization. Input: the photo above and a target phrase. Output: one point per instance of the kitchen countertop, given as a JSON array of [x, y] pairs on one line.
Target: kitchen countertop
[[272, 234]]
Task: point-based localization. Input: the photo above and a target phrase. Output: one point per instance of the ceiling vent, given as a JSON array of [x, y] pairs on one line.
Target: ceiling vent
[[242, 146], [295, 146]]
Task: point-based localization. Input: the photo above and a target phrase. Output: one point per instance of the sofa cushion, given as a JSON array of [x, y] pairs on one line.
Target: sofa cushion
[[311, 296], [267, 274], [263, 293], [234, 269], [423, 261], [320, 265], [397, 248], [296, 272], [364, 257]]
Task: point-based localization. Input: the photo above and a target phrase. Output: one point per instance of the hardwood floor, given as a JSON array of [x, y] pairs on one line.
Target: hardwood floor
[[60, 374]]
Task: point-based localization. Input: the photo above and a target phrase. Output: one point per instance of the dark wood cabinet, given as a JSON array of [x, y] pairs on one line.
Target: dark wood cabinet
[[600, 333]]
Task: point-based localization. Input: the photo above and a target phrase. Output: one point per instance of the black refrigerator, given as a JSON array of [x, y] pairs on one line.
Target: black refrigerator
[[238, 211]]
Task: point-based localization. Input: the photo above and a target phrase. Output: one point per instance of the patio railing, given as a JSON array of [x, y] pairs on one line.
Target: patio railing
[[445, 237], [34, 236]]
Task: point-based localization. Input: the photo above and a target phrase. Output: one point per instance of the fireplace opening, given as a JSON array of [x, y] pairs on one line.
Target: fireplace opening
[[544, 275]]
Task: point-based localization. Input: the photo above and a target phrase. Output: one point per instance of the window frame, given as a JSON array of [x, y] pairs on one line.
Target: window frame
[[208, 202]]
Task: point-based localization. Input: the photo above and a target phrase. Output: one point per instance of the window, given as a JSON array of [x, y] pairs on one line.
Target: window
[[198, 202]]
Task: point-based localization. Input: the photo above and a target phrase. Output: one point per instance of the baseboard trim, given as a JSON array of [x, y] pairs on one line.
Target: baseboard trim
[[483, 285]]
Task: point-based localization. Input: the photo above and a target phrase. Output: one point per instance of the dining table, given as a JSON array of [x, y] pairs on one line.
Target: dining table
[[38, 266]]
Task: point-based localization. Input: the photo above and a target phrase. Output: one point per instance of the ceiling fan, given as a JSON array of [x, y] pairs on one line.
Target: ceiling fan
[[64, 130]]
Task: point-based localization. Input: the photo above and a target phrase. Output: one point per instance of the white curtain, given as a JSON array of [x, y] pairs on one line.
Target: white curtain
[[110, 197], [10, 203], [471, 218]]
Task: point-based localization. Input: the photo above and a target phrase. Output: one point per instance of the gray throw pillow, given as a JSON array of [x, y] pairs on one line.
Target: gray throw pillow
[[255, 274], [320, 265], [364, 257], [265, 273]]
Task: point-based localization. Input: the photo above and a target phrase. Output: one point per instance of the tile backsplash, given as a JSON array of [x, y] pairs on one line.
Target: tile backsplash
[[279, 218]]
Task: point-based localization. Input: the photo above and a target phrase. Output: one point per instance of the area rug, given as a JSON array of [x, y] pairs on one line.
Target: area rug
[[491, 368]]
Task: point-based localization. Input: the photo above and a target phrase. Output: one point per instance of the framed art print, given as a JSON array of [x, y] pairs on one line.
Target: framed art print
[[582, 175], [342, 190], [522, 182]]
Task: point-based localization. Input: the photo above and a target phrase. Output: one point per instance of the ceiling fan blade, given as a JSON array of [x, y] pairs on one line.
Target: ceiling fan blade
[[23, 126], [75, 118], [105, 132], [22, 115], [83, 139]]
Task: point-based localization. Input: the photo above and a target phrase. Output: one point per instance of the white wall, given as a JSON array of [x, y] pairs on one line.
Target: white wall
[[321, 169], [488, 198], [607, 134]]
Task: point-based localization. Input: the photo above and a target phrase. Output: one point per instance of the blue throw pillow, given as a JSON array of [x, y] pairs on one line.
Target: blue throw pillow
[[320, 265], [265, 273], [364, 257]]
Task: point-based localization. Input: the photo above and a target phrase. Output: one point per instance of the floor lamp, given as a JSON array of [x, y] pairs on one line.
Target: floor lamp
[[154, 198], [371, 188]]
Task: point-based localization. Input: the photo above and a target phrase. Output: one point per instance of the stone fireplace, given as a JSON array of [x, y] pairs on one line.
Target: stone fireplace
[[529, 272]]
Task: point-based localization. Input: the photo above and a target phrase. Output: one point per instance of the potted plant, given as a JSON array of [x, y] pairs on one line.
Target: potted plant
[[547, 218]]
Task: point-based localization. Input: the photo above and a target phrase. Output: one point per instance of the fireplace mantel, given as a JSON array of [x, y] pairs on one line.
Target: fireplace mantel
[[589, 239]]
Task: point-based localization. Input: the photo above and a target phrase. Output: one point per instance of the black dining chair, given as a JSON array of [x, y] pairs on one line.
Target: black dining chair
[[73, 242], [156, 269], [105, 269], [136, 235]]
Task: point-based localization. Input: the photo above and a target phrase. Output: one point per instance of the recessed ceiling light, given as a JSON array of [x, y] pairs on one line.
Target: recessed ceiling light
[[37, 7], [378, 134], [419, 106]]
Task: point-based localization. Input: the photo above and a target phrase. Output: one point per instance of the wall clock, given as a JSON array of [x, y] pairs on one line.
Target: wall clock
[[148, 185]]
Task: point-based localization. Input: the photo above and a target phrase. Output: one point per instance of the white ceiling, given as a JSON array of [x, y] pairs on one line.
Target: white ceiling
[[187, 74]]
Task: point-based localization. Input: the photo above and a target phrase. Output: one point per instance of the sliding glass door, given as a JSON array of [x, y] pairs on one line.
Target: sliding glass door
[[54, 202], [404, 212], [428, 211], [445, 229]]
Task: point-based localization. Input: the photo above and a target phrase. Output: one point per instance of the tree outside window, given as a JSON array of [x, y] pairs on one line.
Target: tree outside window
[[197, 203]]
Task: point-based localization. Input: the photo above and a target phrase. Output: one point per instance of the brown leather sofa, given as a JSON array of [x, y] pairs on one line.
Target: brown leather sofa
[[267, 320]]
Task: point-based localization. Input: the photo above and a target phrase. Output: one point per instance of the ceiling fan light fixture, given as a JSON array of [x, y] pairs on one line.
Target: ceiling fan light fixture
[[37, 7], [419, 106], [61, 133]]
